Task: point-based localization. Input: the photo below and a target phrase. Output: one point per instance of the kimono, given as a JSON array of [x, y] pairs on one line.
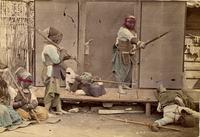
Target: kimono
[[123, 63]]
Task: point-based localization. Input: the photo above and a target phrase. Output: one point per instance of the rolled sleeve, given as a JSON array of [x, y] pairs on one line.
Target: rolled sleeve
[[52, 53]]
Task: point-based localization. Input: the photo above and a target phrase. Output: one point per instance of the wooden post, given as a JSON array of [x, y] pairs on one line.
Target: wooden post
[[136, 66], [148, 109], [81, 34]]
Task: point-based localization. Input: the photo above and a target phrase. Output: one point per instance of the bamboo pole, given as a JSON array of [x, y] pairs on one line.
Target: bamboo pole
[[113, 82], [141, 123]]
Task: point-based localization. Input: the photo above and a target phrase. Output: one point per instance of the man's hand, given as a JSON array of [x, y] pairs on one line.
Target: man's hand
[[141, 44], [25, 101], [179, 101], [30, 106]]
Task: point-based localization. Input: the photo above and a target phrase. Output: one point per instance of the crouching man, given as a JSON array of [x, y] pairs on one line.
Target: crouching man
[[175, 106], [25, 101]]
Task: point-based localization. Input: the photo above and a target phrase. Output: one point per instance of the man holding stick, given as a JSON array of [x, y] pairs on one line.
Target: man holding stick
[[127, 40], [52, 71]]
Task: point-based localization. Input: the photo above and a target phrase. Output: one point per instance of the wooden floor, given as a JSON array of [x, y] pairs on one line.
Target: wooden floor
[[112, 95], [146, 96]]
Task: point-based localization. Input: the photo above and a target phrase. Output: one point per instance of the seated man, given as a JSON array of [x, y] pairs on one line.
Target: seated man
[[25, 101], [8, 116], [175, 106]]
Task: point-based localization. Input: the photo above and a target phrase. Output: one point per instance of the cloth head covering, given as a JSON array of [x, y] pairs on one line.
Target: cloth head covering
[[130, 17], [86, 77], [24, 78], [53, 34], [129, 22], [187, 120]]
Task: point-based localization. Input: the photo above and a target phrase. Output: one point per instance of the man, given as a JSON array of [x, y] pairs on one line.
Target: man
[[123, 55], [176, 109], [8, 116], [25, 102], [52, 71]]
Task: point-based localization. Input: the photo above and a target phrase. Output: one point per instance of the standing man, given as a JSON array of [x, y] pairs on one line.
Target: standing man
[[52, 71], [123, 54]]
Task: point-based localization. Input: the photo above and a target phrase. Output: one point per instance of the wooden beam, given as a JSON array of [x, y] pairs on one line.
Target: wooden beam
[[81, 34], [111, 111]]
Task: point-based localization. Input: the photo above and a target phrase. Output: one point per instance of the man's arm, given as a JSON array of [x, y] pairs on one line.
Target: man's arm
[[179, 101], [31, 105], [159, 107], [52, 53], [19, 104]]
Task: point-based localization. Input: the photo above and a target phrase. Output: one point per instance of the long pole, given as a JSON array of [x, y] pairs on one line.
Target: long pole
[[147, 42], [113, 82], [141, 123], [49, 40]]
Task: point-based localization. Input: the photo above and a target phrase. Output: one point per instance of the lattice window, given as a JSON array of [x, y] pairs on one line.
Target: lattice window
[[16, 37]]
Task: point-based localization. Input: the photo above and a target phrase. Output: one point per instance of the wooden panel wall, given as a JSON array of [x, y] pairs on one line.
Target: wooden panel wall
[[162, 61], [100, 21], [103, 20]]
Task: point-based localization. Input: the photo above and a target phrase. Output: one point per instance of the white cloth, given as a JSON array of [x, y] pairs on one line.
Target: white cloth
[[50, 55], [52, 52], [125, 34], [49, 70], [70, 77], [172, 113]]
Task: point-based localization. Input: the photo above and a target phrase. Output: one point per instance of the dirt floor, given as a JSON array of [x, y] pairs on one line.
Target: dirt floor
[[90, 124]]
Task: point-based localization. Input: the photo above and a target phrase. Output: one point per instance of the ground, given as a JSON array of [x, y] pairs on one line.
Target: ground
[[91, 124]]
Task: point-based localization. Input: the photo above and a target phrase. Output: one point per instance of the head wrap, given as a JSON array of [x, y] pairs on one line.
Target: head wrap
[[186, 120], [53, 34], [24, 78], [130, 17], [129, 22]]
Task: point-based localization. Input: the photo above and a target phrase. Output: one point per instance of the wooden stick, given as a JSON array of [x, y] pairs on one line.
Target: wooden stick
[[34, 114], [112, 111], [147, 43], [141, 123], [49, 40], [113, 82], [11, 75], [46, 38]]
